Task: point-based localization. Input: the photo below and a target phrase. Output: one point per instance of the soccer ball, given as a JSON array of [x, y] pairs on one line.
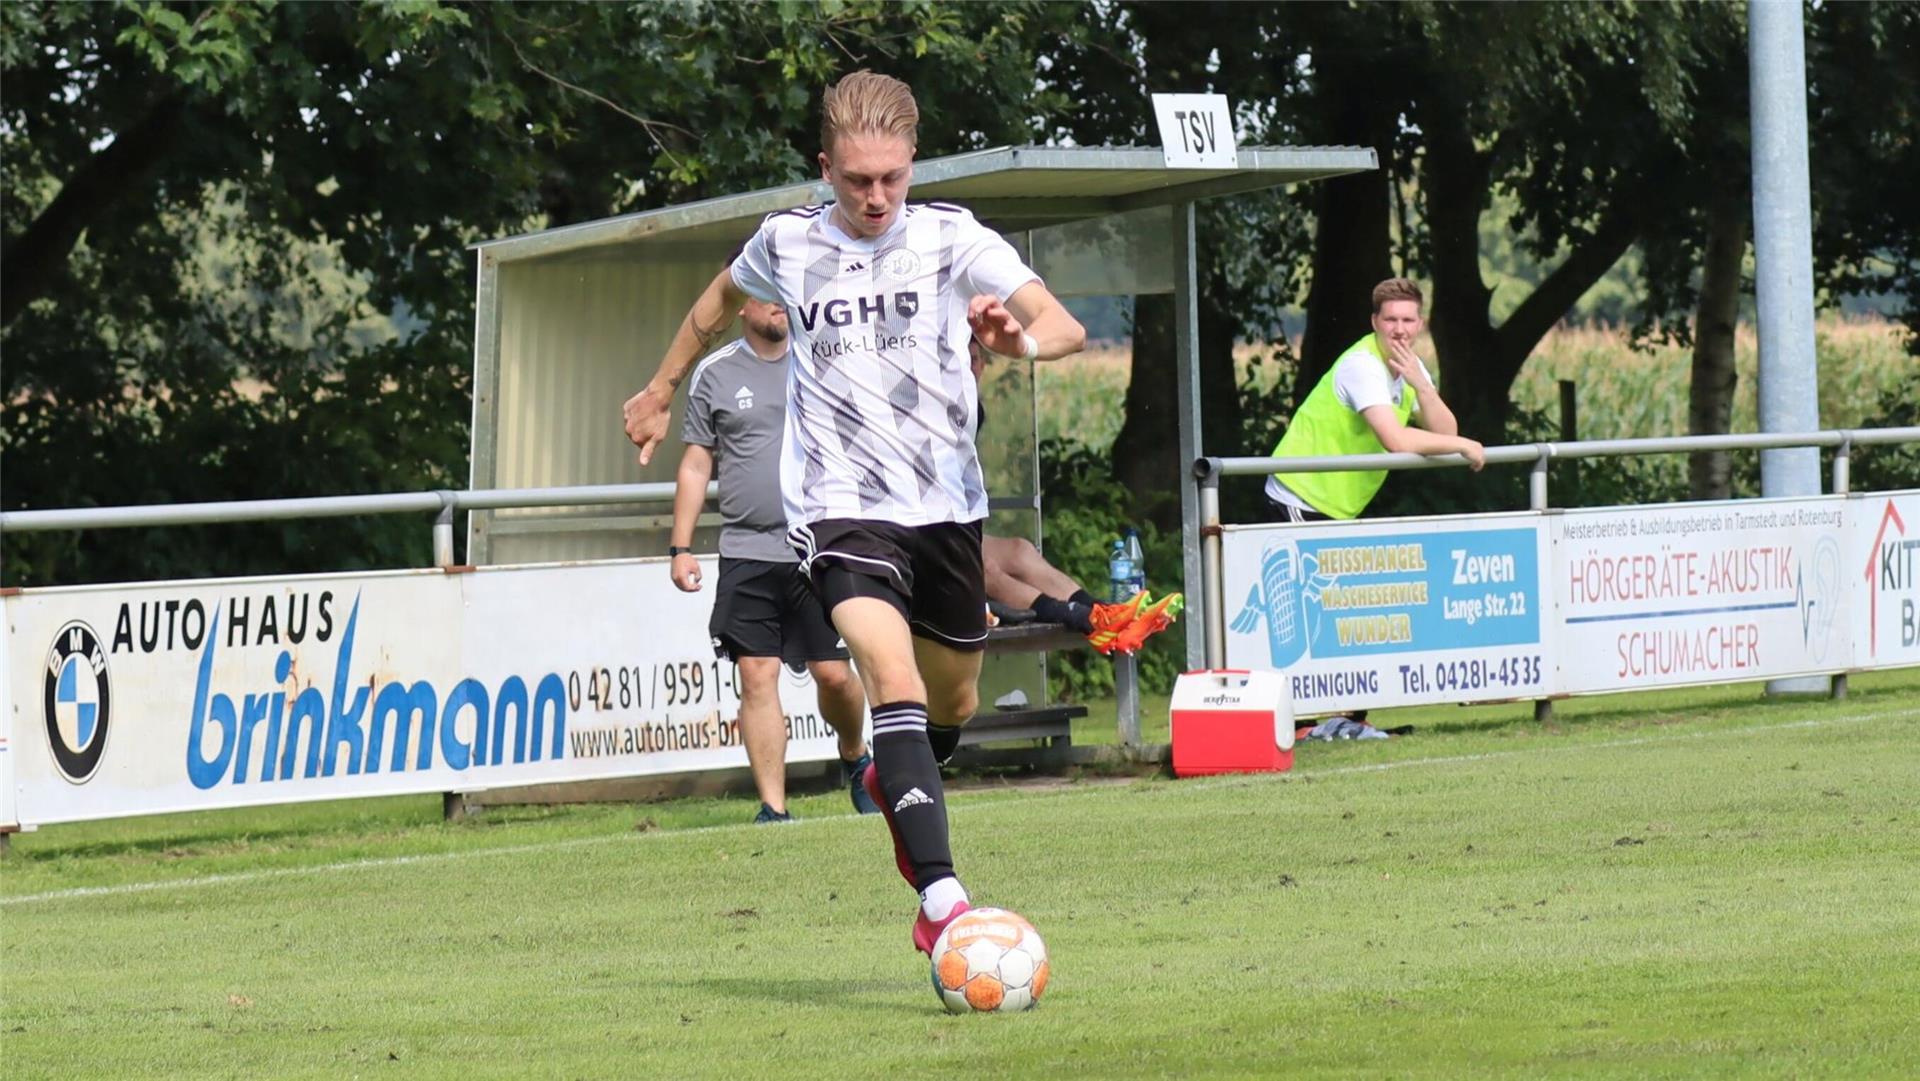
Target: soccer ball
[[989, 960]]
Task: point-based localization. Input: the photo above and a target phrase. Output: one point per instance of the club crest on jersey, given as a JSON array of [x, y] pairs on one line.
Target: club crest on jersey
[[840, 312], [900, 264], [76, 701], [743, 398]]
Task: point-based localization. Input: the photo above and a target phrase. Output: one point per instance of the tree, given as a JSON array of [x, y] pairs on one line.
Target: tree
[[209, 205], [1460, 101]]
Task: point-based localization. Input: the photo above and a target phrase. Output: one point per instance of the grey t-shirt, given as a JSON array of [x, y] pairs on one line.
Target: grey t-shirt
[[737, 408]]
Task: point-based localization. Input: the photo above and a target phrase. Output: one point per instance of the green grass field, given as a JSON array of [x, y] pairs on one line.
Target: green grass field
[[1688, 884]]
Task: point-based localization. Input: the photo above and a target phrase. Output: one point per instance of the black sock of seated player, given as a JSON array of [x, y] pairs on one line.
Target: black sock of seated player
[[944, 740], [1081, 596], [1051, 609], [910, 780]]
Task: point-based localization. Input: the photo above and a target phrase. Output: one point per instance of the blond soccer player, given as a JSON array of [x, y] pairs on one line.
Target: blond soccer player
[[882, 487]]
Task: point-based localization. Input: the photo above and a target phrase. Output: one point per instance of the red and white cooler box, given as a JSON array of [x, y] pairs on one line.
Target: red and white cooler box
[[1231, 720]]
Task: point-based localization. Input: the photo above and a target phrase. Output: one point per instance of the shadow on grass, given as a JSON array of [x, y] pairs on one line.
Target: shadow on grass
[[809, 992]]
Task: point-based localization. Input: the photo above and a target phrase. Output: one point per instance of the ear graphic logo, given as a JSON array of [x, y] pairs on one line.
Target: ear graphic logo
[[1819, 594], [1280, 601]]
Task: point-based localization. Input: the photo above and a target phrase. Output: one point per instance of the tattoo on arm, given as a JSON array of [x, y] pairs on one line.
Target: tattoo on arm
[[706, 334]]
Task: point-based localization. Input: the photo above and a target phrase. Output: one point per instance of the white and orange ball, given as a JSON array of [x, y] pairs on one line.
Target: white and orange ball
[[989, 960]]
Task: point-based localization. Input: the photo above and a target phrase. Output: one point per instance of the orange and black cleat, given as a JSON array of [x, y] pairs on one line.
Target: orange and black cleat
[[1153, 619], [1110, 619]]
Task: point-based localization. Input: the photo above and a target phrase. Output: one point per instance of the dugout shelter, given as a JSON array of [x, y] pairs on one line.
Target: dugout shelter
[[571, 321]]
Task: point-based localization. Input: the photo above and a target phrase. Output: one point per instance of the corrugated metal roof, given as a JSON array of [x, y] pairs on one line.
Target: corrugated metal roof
[[1012, 187]]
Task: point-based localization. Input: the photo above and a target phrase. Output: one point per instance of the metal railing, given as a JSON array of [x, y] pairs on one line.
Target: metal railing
[[1208, 471], [446, 502]]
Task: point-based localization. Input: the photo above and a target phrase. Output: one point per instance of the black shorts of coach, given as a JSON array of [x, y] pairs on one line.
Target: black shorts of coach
[[931, 574], [765, 609]]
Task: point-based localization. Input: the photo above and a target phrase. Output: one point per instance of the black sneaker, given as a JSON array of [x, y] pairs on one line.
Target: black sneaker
[[768, 814], [850, 776]]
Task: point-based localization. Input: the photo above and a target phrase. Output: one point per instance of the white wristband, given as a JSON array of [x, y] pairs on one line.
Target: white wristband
[[1029, 348]]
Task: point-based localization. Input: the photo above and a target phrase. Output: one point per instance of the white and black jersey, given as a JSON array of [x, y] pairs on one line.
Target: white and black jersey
[[880, 400]]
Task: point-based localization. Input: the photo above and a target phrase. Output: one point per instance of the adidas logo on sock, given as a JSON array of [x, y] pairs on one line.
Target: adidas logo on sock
[[913, 798]]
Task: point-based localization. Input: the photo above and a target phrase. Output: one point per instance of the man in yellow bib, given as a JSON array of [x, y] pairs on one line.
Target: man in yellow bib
[[1362, 406]]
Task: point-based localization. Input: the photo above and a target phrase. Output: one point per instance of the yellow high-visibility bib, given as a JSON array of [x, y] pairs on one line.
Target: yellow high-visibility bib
[[1325, 427]]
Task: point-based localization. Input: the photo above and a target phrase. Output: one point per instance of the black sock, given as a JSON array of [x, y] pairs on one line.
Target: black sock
[[944, 740], [1050, 609], [1074, 613], [910, 780], [1081, 596]]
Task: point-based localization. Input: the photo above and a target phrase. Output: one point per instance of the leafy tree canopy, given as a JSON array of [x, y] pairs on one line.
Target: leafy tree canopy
[[235, 232]]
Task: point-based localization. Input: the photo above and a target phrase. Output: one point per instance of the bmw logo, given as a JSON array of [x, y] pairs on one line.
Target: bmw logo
[[77, 701]]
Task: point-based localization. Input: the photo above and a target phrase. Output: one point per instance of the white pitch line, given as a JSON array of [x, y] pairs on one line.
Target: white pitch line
[[581, 842]]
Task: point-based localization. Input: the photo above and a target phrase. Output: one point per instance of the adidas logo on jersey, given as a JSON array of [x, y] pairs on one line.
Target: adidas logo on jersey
[[854, 268], [913, 798], [743, 398]]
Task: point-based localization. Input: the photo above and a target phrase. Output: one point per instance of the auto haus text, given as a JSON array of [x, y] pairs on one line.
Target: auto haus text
[[160, 626]]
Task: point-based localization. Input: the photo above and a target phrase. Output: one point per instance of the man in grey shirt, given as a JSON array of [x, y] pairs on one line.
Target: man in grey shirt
[[764, 612]]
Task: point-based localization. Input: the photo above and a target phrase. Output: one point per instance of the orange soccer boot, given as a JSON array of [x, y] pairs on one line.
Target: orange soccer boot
[[1110, 619], [1153, 619]]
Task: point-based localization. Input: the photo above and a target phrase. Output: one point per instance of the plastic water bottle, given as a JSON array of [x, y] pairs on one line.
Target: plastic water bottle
[[1139, 559], [1120, 572]]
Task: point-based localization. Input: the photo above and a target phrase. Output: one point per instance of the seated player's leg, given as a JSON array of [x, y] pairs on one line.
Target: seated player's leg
[[1018, 575], [1027, 564], [763, 729], [998, 557]]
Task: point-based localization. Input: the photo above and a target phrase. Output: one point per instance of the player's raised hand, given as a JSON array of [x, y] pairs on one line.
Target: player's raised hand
[[646, 420], [1403, 363], [994, 326]]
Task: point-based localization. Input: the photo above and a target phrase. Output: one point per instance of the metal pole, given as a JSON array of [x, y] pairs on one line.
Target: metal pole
[[1186, 337], [443, 536], [1213, 608], [1842, 484], [1537, 501], [1126, 694], [1783, 256]]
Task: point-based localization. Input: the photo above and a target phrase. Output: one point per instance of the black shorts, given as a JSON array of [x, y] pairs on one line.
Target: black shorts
[[1288, 512], [763, 609], [931, 574]]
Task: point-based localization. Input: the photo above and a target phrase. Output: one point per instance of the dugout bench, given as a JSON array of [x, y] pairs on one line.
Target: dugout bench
[[1051, 725]]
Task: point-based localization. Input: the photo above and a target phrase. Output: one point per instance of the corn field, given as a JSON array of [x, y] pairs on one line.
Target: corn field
[[1621, 392]]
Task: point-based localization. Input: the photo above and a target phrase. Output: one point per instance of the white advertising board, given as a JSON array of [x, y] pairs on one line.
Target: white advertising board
[[1404, 612], [1700, 593], [153, 697], [1882, 567]]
